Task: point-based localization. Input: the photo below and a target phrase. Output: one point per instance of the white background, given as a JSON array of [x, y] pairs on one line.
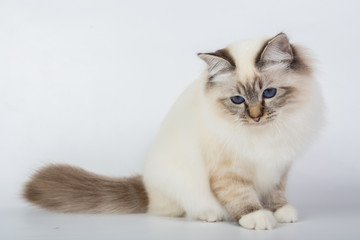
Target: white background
[[89, 82]]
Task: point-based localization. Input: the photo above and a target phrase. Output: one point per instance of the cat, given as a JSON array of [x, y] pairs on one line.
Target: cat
[[222, 153]]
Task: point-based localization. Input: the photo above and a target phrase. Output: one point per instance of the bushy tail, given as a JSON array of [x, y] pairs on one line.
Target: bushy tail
[[68, 189]]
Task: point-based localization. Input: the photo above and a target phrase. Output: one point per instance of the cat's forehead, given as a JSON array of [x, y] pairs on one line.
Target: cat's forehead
[[245, 54]]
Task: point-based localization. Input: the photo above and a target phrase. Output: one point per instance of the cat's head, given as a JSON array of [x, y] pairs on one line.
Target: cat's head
[[254, 82]]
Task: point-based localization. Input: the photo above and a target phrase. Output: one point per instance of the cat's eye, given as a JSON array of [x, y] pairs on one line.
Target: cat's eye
[[237, 99], [269, 92]]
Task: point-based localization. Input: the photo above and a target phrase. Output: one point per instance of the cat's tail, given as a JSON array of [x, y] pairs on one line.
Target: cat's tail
[[68, 189]]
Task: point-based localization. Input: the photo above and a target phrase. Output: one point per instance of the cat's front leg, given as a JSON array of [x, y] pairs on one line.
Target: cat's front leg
[[276, 201], [283, 211], [241, 201]]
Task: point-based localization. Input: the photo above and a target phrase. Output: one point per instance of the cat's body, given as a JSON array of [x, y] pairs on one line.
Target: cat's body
[[216, 156]]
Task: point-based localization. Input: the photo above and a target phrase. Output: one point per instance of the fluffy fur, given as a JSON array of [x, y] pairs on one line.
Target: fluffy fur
[[68, 189], [212, 160]]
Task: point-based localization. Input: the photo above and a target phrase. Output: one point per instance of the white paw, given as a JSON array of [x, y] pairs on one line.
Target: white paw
[[286, 214], [210, 216], [258, 220]]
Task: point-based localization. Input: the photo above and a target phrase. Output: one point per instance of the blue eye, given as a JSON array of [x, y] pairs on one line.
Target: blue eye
[[237, 99], [269, 92]]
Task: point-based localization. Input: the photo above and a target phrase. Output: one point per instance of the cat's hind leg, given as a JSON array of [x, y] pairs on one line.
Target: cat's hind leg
[[198, 200], [162, 205], [187, 199], [188, 193]]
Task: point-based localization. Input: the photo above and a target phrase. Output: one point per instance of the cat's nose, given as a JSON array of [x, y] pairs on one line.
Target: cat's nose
[[255, 111], [256, 119]]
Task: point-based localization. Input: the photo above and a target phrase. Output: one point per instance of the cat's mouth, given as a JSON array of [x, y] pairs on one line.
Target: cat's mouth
[[259, 120], [256, 119]]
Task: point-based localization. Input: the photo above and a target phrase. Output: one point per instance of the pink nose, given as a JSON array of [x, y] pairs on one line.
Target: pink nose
[[257, 119]]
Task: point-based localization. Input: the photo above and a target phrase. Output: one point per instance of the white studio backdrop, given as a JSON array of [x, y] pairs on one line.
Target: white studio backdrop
[[88, 83]]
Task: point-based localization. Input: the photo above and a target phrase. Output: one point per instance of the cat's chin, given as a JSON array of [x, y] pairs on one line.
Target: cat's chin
[[256, 124], [259, 121]]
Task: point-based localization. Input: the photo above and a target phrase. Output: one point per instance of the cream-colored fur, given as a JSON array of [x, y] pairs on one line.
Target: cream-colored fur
[[258, 220], [286, 214], [177, 169], [223, 151]]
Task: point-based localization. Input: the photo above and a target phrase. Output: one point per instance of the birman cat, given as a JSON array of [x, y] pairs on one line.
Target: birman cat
[[222, 153]]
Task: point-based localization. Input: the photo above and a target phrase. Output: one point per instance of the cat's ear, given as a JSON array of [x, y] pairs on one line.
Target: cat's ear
[[277, 50], [218, 62]]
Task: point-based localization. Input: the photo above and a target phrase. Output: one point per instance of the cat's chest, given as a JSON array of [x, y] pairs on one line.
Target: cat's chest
[[267, 176], [265, 163], [262, 157]]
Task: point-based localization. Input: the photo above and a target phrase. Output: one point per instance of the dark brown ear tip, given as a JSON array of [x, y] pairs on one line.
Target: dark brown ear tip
[[281, 34]]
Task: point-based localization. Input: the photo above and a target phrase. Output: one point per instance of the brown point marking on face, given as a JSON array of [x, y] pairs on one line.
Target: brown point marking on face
[[232, 108], [285, 97], [241, 88], [288, 90], [255, 82], [251, 87], [260, 83], [251, 93]]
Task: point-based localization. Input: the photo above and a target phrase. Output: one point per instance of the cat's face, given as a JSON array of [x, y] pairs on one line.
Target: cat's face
[[252, 84]]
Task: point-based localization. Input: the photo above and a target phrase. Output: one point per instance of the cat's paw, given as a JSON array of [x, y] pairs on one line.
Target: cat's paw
[[258, 220], [286, 214], [210, 216]]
